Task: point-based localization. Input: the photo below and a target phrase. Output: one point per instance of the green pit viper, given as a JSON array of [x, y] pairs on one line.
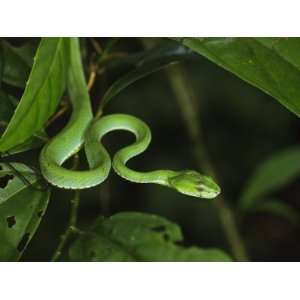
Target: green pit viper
[[82, 129]]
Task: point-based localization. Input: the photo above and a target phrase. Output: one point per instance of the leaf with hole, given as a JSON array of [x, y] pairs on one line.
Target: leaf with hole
[[271, 64], [44, 88], [22, 204], [133, 236]]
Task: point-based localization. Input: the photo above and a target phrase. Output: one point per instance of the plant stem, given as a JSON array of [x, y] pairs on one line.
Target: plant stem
[[59, 113], [185, 97], [71, 228], [228, 221]]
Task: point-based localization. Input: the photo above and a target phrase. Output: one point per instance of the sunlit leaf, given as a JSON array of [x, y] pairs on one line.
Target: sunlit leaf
[[44, 88], [271, 64], [134, 236], [7, 107]]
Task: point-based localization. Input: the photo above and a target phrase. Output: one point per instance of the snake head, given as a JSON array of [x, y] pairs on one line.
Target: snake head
[[194, 184]]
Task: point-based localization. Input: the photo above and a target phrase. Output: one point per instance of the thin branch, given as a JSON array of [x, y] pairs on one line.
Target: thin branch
[[72, 224], [70, 229], [59, 113], [96, 46], [185, 97], [92, 79]]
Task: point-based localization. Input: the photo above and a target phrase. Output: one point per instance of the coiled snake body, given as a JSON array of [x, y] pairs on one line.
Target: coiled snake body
[[82, 129]]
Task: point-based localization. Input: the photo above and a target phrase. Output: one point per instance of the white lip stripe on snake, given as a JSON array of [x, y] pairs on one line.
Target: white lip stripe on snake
[[82, 129]]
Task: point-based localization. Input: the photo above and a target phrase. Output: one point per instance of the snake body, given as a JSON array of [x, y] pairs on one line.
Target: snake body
[[82, 129]]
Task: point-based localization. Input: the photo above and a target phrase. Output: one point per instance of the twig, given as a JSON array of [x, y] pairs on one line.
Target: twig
[[72, 224], [104, 57], [186, 100], [96, 46], [70, 229], [92, 79], [107, 58], [59, 113]]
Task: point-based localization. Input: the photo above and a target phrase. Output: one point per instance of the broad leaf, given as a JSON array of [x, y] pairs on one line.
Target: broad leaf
[[271, 64], [17, 62], [22, 205], [44, 88], [138, 237], [7, 107], [35, 141], [272, 174]]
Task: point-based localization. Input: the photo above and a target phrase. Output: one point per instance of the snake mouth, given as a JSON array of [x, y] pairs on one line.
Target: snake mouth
[[209, 193]]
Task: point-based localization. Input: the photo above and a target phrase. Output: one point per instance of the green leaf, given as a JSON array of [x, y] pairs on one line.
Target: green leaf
[[17, 62], [144, 64], [272, 174], [35, 141], [22, 205], [271, 64], [135, 236], [6, 111], [278, 208], [44, 88]]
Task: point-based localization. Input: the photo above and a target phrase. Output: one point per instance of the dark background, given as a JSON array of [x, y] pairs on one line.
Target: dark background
[[241, 126]]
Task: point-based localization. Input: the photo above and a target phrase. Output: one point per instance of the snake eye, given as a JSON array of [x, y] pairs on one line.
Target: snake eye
[[194, 184]]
